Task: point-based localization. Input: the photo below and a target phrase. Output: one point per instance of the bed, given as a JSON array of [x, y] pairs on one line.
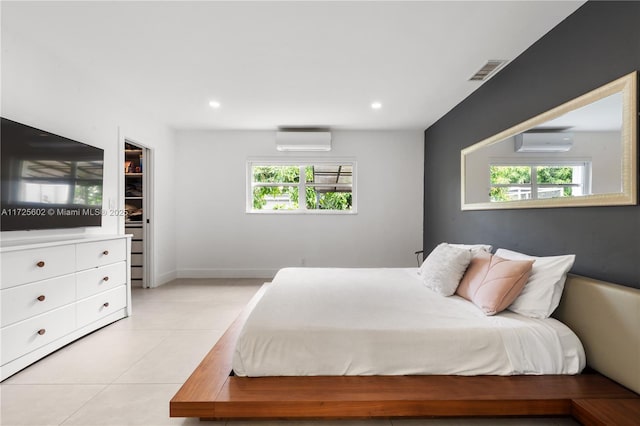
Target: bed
[[384, 321], [607, 328]]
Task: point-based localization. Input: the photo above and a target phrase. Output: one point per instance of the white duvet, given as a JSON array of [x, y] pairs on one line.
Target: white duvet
[[326, 321]]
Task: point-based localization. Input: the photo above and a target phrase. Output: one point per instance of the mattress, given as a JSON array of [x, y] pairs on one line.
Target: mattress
[[384, 321]]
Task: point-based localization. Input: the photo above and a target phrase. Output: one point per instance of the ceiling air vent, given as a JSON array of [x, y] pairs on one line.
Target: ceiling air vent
[[490, 68]]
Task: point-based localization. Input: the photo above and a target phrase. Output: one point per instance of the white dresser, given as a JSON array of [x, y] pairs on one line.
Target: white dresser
[[54, 292]]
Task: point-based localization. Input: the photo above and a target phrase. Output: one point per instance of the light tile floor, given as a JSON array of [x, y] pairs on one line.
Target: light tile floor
[[126, 373]]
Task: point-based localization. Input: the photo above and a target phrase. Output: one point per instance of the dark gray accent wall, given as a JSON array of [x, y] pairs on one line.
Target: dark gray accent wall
[[598, 43]]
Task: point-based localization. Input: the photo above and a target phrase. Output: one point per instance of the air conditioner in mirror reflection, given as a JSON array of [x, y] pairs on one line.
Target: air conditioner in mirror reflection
[[543, 142], [303, 141]]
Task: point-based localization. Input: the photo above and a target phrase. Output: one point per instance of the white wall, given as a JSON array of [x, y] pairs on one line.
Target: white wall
[[53, 94], [216, 238], [200, 221]]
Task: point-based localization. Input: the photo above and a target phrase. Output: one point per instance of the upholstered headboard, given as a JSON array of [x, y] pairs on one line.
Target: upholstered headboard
[[606, 318]]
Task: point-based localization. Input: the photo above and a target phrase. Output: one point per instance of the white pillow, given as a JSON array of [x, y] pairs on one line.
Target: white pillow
[[443, 269], [474, 247], [541, 295]]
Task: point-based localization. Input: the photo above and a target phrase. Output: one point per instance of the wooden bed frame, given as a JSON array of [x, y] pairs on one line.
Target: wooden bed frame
[[212, 392]]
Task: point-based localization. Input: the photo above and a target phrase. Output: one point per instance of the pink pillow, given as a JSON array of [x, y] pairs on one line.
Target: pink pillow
[[493, 283]]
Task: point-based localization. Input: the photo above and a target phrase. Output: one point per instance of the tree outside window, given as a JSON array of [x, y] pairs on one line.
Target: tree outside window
[[522, 182], [327, 187]]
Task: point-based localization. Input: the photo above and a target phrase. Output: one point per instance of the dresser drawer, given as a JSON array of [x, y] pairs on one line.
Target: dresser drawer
[[25, 266], [101, 305], [90, 255], [25, 301], [26, 336], [93, 281]]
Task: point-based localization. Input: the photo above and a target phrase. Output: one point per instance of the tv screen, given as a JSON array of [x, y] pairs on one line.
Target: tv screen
[[48, 181]]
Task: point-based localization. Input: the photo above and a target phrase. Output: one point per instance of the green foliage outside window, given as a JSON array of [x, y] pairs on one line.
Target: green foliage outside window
[[275, 174], [507, 175], [88, 195], [334, 201], [556, 175], [315, 198], [504, 175], [549, 174]]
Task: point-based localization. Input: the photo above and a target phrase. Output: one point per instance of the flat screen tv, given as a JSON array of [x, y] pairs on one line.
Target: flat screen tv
[[48, 181]]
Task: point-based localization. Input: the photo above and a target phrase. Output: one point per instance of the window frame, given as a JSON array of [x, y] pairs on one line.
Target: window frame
[[301, 162], [533, 163]]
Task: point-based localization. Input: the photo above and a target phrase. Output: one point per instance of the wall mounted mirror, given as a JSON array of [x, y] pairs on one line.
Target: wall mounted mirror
[[581, 153]]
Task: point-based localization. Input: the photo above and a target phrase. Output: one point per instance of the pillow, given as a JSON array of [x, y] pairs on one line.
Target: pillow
[[541, 295], [442, 270], [493, 283], [474, 247]]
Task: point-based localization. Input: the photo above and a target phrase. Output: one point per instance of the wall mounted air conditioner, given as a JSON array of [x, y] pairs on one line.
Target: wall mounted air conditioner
[[303, 140], [543, 142]]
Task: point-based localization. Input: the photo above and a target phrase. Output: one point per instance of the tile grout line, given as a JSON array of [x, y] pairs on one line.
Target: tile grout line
[[112, 382], [142, 356], [101, 388], [105, 386]]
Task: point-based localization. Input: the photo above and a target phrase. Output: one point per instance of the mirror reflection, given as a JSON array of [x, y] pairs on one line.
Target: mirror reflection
[[581, 153]]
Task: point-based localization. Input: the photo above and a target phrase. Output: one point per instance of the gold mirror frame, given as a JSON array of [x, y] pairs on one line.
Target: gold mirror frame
[[626, 85]]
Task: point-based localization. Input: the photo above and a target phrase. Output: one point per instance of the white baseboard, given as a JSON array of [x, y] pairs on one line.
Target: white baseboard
[[227, 273], [166, 277]]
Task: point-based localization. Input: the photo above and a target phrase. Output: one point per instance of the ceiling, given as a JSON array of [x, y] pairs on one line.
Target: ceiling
[[272, 64], [604, 115]]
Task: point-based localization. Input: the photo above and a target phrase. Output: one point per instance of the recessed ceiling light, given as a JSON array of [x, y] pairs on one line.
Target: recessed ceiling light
[[214, 104], [376, 105]]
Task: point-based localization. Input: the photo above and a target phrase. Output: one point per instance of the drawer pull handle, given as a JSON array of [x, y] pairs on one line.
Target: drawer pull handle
[[105, 279], [41, 298], [106, 252], [42, 331], [105, 304], [40, 264]]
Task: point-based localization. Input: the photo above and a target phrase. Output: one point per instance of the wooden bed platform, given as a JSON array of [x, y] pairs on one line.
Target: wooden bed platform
[[212, 392]]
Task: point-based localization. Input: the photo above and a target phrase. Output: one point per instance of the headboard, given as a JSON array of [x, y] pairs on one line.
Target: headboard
[[606, 318]]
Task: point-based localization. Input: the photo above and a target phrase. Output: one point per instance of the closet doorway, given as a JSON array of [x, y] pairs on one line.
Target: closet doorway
[[137, 205]]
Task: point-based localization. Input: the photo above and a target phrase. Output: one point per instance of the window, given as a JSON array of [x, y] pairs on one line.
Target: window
[[278, 187], [61, 182], [539, 180]]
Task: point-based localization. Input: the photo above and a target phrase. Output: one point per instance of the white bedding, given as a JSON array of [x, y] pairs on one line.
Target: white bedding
[[326, 321]]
